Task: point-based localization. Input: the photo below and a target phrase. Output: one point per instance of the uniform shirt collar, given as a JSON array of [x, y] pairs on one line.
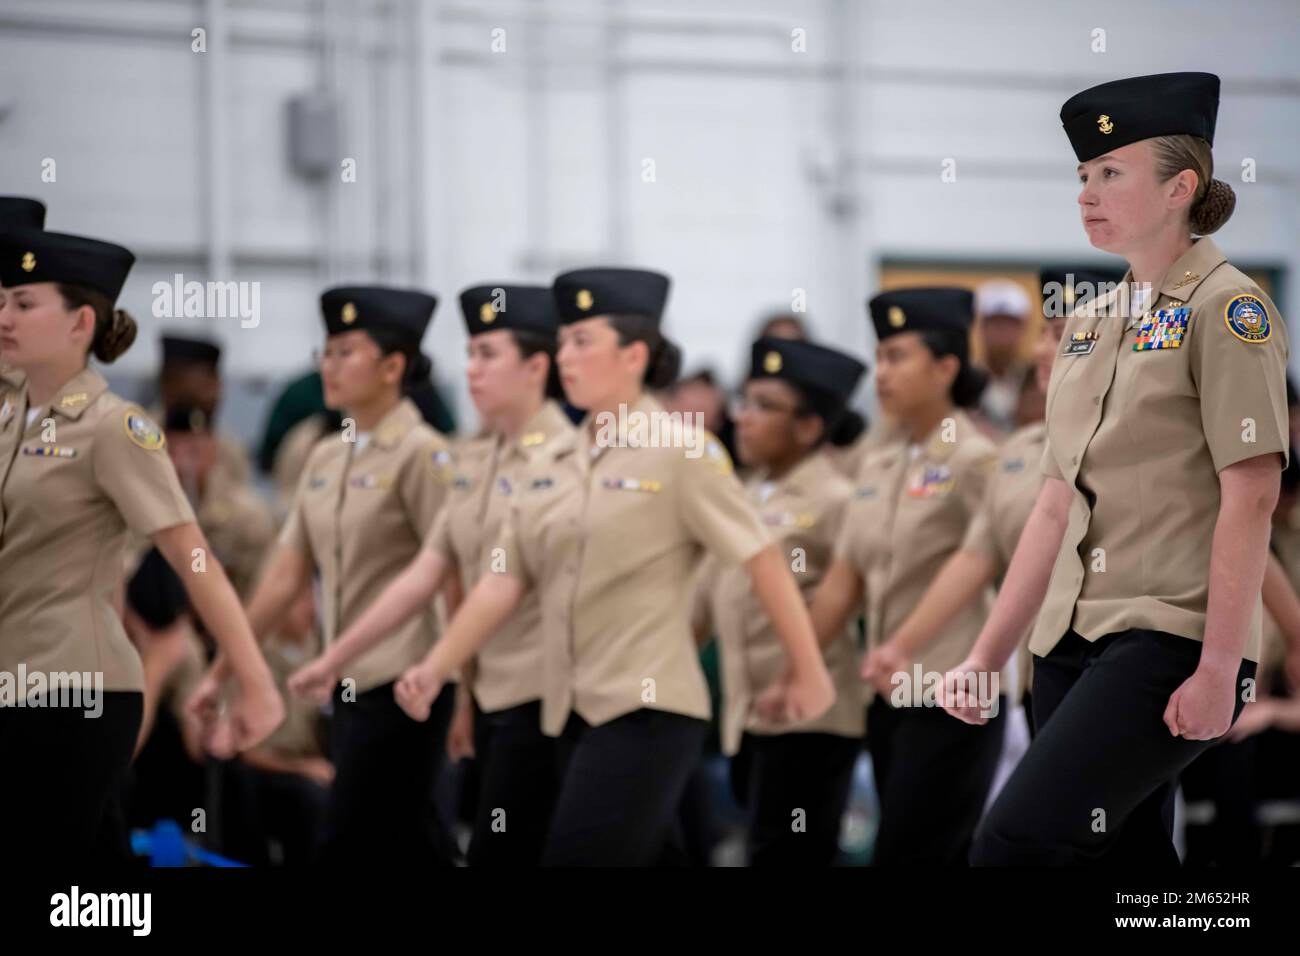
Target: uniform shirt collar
[[399, 420], [1190, 269], [1182, 277], [647, 404], [933, 447], [802, 477], [12, 377], [78, 393], [547, 422]]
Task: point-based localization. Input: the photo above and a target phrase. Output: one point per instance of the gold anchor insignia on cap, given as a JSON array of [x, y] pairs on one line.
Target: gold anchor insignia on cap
[[29, 261], [896, 316], [349, 314], [772, 363], [73, 400], [532, 438], [1188, 277], [486, 314], [1104, 124], [584, 299]]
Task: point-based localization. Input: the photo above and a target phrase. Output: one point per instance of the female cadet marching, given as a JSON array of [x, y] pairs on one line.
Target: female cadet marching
[[363, 505], [915, 499], [78, 468], [993, 532], [608, 526], [798, 777], [512, 380], [1166, 434]]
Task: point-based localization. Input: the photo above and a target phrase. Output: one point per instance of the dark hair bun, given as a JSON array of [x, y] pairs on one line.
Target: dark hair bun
[[114, 336], [848, 429], [968, 386], [1213, 209], [665, 365], [419, 370]]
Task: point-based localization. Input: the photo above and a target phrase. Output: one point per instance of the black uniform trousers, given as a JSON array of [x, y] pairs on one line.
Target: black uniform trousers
[[63, 770], [933, 774], [516, 786], [621, 783], [798, 788], [1096, 785], [381, 808], [260, 806]]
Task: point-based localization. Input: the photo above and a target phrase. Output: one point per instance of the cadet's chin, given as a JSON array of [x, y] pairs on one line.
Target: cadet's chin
[[332, 400], [1101, 235]]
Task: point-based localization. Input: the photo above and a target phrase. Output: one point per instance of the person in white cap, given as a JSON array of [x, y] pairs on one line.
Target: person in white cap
[[1003, 309]]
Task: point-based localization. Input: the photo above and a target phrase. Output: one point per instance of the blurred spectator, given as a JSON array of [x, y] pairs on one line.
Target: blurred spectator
[[1003, 308]]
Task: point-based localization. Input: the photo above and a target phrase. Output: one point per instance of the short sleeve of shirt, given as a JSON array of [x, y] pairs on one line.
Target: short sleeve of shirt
[[133, 468], [846, 541], [979, 537], [714, 506], [702, 585], [423, 485], [1241, 376], [438, 538], [294, 532], [1047, 464], [975, 475]]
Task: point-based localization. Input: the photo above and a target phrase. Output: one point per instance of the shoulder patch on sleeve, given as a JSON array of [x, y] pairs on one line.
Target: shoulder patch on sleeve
[[141, 430], [440, 458], [1247, 318], [716, 454]]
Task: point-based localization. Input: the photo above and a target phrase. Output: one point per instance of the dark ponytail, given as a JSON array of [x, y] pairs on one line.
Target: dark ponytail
[[665, 362], [419, 367], [114, 328], [848, 430], [968, 386]]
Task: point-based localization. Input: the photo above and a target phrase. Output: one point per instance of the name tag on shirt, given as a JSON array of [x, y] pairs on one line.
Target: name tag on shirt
[[1080, 343]]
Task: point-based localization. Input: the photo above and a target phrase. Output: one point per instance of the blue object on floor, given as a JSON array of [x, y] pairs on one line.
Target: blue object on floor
[[166, 846]]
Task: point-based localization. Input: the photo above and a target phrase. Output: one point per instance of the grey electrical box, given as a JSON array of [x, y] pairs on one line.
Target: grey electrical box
[[314, 134]]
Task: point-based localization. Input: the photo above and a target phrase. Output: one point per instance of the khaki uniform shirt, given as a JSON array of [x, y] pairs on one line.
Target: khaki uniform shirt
[[1140, 434], [292, 455], [909, 514], [611, 541], [804, 511], [239, 527], [360, 515], [487, 476], [995, 530], [65, 508], [848, 460]]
